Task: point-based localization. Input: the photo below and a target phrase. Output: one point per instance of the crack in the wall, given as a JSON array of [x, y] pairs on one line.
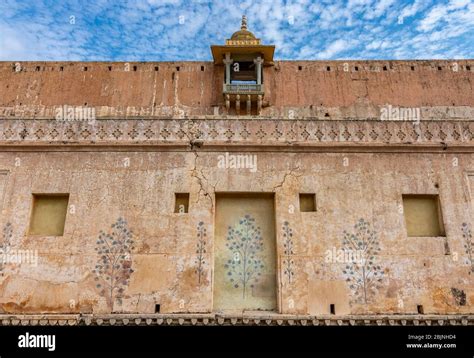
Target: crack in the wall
[[193, 136], [290, 173], [202, 181], [153, 100]]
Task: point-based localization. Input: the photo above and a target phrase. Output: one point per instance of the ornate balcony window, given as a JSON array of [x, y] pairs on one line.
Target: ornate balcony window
[[243, 57]]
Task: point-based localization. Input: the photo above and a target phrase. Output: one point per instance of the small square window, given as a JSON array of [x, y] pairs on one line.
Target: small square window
[[439, 68], [468, 68], [110, 68], [156, 68], [385, 68], [356, 68], [37, 68], [49, 214], [61, 68], [423, 216], [84, 68], [202, 68], [307, 203], [181, 203], [413, 68], [135, 68], [177, 68], [328, 68], [300, 68]]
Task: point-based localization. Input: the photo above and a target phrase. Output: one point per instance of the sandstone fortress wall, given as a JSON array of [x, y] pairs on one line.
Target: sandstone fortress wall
[[294, 89], [159, 131]]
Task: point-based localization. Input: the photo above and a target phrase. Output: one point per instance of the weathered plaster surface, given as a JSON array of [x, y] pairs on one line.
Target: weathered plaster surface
[[417, 270], [159, 133]]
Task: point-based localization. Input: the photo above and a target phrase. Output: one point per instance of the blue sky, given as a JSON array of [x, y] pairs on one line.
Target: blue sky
[[167, 30]]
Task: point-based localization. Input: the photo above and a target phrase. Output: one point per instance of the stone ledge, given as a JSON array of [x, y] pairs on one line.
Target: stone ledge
[[215, 319], [370, 111]]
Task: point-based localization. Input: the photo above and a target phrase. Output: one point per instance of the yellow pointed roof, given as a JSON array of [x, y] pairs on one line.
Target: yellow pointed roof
[[243, 42], [244, 34]]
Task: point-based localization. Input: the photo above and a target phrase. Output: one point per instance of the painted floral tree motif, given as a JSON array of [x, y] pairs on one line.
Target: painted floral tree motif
[[363, 275], [245, 244], [200, 250], [288, 262], [6, 242], [468, 245], [113, 268]]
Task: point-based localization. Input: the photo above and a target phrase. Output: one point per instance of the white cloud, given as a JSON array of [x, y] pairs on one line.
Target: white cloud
[[413, 9], [434, 16], [334, 48], [378, 9], [457, 4]]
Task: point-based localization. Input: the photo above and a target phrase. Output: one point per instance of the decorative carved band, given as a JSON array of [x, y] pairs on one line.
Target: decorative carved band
[[229, 131]]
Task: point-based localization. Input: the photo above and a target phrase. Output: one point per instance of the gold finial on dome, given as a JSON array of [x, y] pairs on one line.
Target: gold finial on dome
[[244, 23], [243, 37]]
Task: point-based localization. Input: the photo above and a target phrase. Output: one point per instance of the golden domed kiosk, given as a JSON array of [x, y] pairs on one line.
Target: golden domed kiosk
[[243, 56]]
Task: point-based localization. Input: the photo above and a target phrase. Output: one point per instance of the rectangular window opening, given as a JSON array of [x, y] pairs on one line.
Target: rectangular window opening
[[300, 68], [181, 201], [328, 68], [423, 216], [413, 68], [48, 215], [332, 308], [135, 68], [385, 68], [177, 68], [156, 68], [420, 309], [202, 68], [110, 68], [307, 202], [157, 308]]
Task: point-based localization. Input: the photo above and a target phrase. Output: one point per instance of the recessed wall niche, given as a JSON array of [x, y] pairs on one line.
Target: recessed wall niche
[[181, 203], [423, 216], [48, 215], [245, 252], [307, 202]]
